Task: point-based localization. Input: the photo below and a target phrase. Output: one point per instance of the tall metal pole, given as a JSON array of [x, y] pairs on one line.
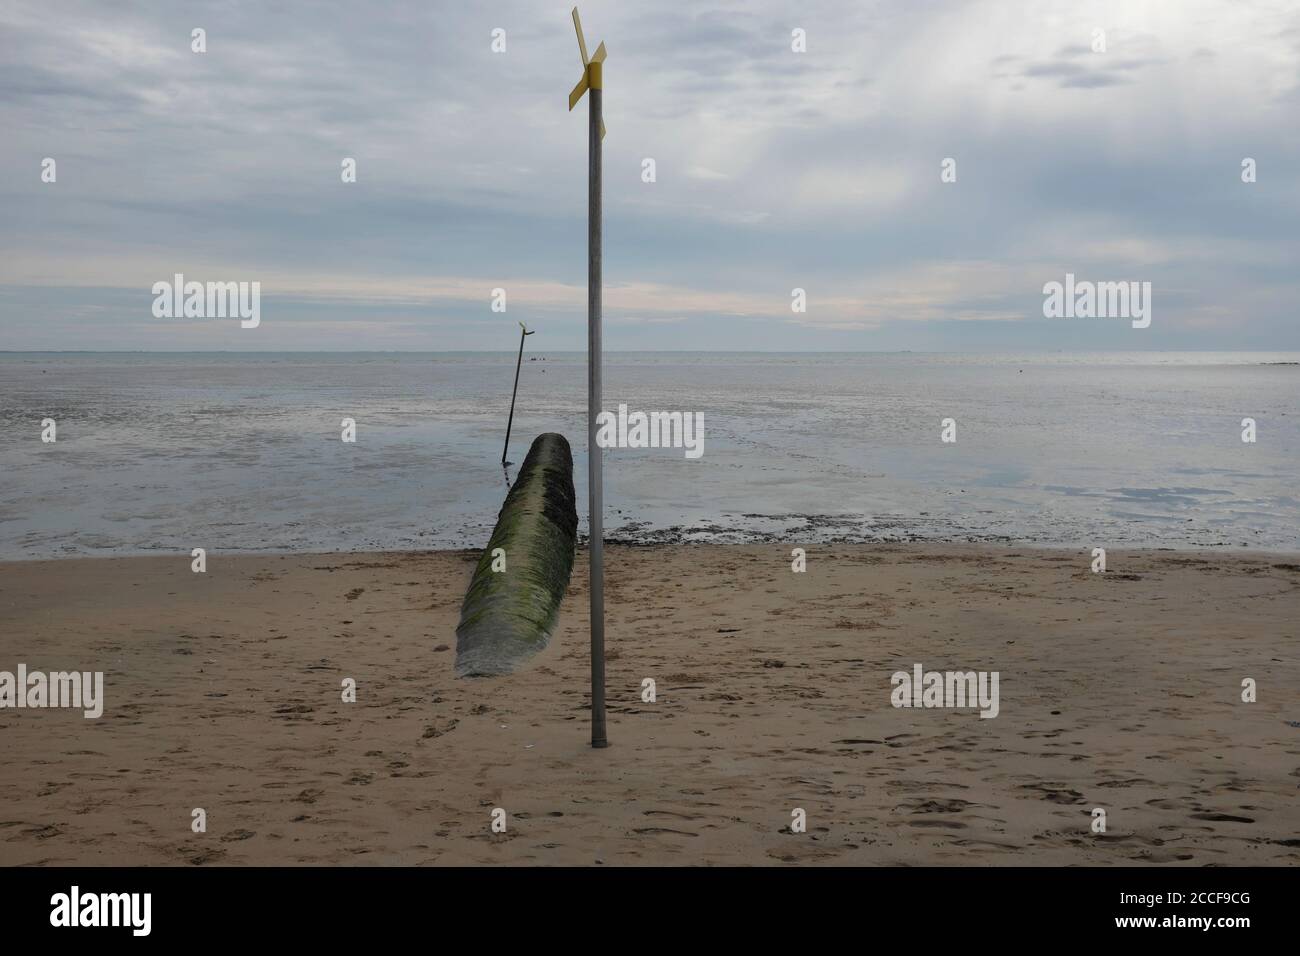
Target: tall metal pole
[[592, 81], [594, 360], [523, 333]]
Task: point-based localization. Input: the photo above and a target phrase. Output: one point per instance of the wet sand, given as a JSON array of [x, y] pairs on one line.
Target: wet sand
[[1119, 691]]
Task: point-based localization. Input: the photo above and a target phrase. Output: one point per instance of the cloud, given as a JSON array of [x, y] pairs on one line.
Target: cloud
[[700, 172], [775, 169]]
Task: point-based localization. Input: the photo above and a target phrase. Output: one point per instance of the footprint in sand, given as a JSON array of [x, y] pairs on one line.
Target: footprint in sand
[[663, 830], [952, 805], [290, 711], [1163, 803], [1055, 794], [944, 824], [433, 730]]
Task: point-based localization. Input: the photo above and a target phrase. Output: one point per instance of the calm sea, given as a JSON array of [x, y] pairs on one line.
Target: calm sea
[[167, 452]]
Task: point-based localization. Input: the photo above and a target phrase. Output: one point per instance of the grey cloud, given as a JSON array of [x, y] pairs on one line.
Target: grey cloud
[[1092, 81], [470, 166]]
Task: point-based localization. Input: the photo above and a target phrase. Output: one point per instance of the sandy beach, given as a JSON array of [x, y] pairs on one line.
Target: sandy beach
[[1119, 691]]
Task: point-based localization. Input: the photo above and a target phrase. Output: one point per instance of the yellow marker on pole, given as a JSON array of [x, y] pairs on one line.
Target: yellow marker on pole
[[592, 82], [591, 78]]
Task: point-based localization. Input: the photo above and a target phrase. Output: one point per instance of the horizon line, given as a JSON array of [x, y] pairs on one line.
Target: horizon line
[[513, 351]]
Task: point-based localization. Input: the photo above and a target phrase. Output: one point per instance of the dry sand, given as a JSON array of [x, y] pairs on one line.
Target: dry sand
[[1120, 691]]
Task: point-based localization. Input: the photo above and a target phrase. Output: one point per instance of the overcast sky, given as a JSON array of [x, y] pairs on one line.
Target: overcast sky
[[775, 170]]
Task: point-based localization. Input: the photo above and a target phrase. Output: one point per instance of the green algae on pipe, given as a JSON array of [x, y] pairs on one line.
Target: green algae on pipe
[[509, 614]]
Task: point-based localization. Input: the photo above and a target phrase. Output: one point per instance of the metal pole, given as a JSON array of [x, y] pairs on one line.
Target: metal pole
[[594, 358], [523, 333]]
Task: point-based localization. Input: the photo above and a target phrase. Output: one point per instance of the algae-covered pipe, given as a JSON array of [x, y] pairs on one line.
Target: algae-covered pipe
[[509, 613]]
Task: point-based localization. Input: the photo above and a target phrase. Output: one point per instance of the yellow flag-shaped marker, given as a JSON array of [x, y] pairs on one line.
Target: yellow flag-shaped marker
[[591, 69]]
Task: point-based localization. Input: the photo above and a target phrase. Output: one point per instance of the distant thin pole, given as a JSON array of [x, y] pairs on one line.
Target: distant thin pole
[[524, 332]]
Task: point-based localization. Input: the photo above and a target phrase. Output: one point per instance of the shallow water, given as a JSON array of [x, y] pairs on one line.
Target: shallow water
[[232, 451]]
